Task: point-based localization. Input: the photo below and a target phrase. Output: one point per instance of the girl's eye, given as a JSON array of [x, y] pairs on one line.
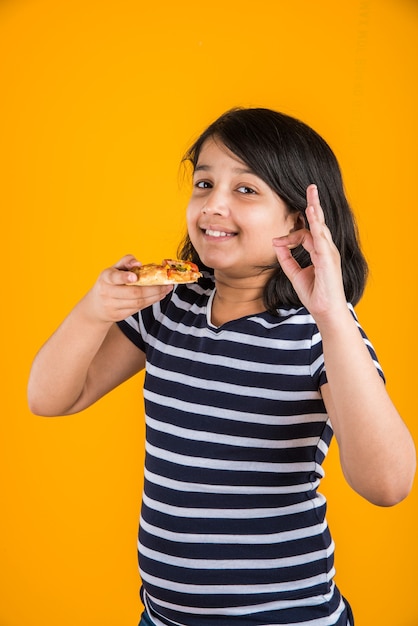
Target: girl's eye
[[244, 189], [203, 184]]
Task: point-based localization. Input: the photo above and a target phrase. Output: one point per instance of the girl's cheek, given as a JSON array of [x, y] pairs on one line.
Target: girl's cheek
[[190, 216]]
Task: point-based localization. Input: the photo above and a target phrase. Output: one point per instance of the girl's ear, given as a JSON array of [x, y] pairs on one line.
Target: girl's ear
[[299, 221]]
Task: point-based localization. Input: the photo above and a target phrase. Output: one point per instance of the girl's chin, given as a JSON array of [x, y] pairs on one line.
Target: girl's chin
[[240, 267], [214, 261], [221, 264]]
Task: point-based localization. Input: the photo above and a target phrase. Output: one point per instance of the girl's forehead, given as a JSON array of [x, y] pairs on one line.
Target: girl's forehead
[[213, 149]]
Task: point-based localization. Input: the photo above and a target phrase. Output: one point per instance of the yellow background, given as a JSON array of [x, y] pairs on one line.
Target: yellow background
[[99, 99]]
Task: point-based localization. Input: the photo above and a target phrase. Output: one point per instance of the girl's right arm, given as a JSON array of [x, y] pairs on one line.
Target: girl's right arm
[[88, 355]]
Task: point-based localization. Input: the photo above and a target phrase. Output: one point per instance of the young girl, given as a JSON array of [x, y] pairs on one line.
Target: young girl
[[248, 374]]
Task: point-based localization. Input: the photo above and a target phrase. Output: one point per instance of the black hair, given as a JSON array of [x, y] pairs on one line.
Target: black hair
[[288, 155]]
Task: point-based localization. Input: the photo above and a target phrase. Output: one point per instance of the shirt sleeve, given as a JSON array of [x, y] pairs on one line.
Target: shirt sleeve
[[131, 328], [137, 326], [318, 369]]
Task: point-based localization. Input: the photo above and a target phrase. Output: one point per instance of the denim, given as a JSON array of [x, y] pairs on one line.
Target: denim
[[145, 620]]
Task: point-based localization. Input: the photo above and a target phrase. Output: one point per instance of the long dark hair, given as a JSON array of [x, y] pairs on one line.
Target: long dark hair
[[288, 155]]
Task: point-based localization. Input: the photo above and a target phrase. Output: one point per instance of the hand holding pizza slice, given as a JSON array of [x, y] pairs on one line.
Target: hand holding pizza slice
[[170, 272]]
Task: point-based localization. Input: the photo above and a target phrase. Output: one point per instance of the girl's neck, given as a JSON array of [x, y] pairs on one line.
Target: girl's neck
[[234, 300]]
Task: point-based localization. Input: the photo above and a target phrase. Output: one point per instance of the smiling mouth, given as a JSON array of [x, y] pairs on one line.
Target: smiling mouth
[[217, 233]]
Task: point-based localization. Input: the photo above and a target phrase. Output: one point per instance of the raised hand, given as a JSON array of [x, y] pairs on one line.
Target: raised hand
[[320, 285]]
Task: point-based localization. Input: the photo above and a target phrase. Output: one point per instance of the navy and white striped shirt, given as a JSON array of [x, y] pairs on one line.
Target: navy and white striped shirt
[[233, 529]]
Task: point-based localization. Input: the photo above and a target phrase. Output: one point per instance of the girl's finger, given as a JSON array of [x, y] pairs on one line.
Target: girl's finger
[[119, 273], [126, 262], [288, 264], [295, 238], [316, 217], [118, 276], [312, 195]]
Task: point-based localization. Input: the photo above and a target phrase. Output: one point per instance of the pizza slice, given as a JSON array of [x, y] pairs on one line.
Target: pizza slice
[[170, 272]]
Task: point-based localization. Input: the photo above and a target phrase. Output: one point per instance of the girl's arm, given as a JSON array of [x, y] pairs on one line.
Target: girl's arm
[[88, 355], [376, 449]]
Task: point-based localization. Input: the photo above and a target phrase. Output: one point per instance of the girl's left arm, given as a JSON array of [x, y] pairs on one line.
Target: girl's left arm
[[376, 449]]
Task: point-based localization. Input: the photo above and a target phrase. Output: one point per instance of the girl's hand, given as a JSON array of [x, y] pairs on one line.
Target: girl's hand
[[112, 298], [320, 285], [376, 450]]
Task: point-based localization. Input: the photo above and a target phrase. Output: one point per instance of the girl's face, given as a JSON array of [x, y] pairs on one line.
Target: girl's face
[[233, 214]]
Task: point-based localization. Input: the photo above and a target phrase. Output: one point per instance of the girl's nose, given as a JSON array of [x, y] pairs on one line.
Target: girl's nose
[[207, 209], [216, 204]]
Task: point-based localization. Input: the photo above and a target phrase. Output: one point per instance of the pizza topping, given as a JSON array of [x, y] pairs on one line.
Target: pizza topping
[[181, 266], [171, 271]]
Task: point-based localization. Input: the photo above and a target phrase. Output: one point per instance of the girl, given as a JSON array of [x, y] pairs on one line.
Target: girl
[[249, 374]]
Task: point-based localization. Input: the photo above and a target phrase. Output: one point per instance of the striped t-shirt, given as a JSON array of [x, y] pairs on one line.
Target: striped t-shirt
[[232, 528]]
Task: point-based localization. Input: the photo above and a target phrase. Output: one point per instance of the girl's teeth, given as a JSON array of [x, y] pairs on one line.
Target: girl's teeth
[[217, 233]]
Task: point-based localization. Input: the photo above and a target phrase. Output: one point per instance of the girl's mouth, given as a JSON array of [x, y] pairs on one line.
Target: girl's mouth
[[217, 233]]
